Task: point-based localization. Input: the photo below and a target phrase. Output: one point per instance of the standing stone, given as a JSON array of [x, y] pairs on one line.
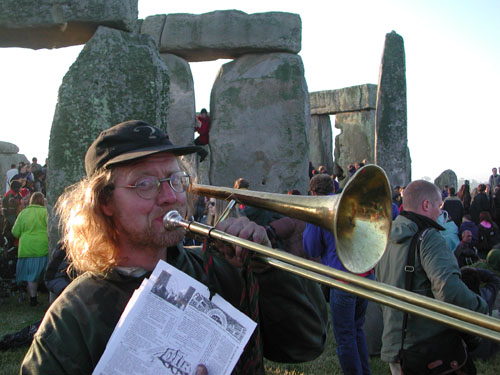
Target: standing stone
[[54, 24], [228, 34], [181, 107], [392, 152], [260, 123], [320, 142], [356, 140], [118, 76], [448, 177]]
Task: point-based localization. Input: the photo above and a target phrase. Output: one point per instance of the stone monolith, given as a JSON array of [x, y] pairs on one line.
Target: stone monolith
[[118, 76], [53, 24], [8, 155], [392, 152], [260, 123], [356, 140], [181, 107], [447, 177]]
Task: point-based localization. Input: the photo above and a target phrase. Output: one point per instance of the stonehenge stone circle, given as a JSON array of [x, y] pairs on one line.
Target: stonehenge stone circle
[[260, 106]]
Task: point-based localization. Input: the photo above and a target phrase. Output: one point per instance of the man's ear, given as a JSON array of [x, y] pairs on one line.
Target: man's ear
[[107, 207], [425, 205]]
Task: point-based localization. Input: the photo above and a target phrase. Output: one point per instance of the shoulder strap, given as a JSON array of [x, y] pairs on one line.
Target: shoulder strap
[[409, 270]]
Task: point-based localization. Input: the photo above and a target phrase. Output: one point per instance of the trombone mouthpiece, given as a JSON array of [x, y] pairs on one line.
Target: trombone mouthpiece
[[172, 220]]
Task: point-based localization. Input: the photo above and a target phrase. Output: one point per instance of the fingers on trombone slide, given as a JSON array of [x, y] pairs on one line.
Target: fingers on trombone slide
[[243, 228]]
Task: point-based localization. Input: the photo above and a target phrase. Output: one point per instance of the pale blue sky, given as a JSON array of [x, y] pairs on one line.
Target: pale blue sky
[[452, 63]]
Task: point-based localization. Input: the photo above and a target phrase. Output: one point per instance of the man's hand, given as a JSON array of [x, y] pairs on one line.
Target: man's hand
[[243, 228]]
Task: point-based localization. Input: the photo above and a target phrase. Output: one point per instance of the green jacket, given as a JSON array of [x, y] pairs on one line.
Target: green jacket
[[436, 275], [31, 229], [77, 326]]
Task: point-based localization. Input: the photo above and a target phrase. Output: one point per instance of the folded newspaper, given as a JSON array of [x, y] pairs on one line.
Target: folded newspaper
[[170, 326]]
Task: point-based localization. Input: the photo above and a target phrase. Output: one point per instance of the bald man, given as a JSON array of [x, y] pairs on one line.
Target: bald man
[[436, 274]]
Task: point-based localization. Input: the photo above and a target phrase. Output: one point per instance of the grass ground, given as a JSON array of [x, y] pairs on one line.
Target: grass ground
[[15, 315]]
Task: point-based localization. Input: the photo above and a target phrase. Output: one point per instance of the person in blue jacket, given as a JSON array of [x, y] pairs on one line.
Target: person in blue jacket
[[348, 311]]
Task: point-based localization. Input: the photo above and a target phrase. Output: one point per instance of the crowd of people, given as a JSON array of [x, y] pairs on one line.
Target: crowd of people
[[23, 226], [113, 236]]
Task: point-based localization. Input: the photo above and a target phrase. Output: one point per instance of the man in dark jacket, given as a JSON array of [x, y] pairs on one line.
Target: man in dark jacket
[[454, 206], [465, 253], [480, 203]]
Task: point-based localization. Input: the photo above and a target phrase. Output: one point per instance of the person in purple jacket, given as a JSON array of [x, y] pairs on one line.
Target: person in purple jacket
[[348, 311]]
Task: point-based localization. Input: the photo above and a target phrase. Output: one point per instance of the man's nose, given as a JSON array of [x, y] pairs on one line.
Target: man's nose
[[166, 194]]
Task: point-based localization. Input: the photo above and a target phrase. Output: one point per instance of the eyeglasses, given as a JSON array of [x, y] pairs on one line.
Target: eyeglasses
[[148, 187], [211, 204]]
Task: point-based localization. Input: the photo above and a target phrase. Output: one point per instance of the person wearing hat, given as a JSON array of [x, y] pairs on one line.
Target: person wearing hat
[[113, 232]]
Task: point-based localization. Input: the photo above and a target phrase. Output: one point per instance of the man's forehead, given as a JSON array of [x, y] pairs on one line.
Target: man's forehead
[[165, 160]]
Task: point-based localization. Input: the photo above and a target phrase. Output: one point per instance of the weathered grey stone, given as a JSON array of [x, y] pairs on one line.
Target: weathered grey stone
[[153, 26], [6, 160], [348, 99], [448, 177], [392, 153], [260, 123], [181, 107], [199, 171], [320, 142], [118, 76], [356, 139], [228, 34], [61, 23], [8, 148]]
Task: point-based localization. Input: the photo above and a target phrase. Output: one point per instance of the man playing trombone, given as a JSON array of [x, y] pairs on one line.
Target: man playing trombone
[[112, 225]]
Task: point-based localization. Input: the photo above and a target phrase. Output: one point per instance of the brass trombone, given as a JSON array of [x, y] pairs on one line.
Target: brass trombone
[[360, 219]]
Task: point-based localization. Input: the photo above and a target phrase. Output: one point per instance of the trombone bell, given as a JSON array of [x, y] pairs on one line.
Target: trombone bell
[[360, 217]]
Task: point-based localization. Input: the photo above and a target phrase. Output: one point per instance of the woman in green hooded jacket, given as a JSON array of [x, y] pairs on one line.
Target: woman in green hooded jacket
[[31, 229]]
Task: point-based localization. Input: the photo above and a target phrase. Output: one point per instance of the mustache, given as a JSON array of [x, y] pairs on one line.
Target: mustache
[[179, 208]]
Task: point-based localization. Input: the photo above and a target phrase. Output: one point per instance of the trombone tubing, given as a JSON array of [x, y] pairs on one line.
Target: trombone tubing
[[455, 316], [385, 300]]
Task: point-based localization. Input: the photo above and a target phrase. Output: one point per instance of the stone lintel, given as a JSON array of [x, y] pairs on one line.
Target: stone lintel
[[228, 34], [54, 24], [348, 99]]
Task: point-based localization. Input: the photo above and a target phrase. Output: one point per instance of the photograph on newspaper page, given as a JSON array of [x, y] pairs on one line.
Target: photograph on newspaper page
[[171, 325]]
